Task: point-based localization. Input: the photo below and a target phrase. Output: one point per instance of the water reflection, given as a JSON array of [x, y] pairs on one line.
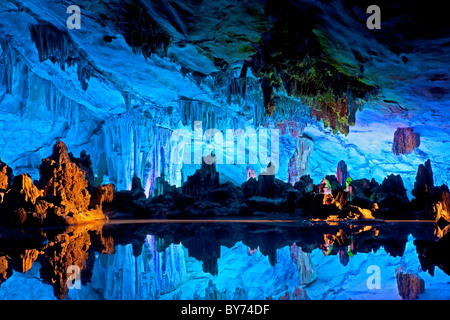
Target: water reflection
[[282, 260]]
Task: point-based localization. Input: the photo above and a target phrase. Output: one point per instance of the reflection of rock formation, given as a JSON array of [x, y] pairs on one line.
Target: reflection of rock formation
[[168, 266], [434, 253], [211, 292], [251, 251], [409, 285], [202, 181], [205, 251]]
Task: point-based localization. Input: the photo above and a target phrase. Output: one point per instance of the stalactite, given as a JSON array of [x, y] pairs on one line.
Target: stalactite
[[145, 277], [57, 46]]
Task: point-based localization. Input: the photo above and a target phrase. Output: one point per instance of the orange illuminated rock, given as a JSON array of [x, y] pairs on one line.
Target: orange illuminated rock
[[405, 141], [24, 261]]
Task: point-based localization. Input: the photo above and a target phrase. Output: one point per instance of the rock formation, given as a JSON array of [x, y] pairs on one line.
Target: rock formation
[[133, 200], [391, 199], [62, 180], [443, 207], [424, 181], [202, 181], [306, 270], [103, 197], [5, 269], [6, 176], [203, 195], [84, 163], [24, 261], [429, 200], [62, 196]]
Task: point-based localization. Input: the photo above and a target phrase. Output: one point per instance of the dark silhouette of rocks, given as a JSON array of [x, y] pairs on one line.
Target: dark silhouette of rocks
[[130, 200], [202, 195], [391, 199], [23, 190], [6, 269]]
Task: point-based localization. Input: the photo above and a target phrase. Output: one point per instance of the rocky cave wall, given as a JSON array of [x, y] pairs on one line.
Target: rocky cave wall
[[105, 90]]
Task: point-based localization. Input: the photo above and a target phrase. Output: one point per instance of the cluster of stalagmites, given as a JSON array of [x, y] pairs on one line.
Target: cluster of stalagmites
[[62, 196]]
